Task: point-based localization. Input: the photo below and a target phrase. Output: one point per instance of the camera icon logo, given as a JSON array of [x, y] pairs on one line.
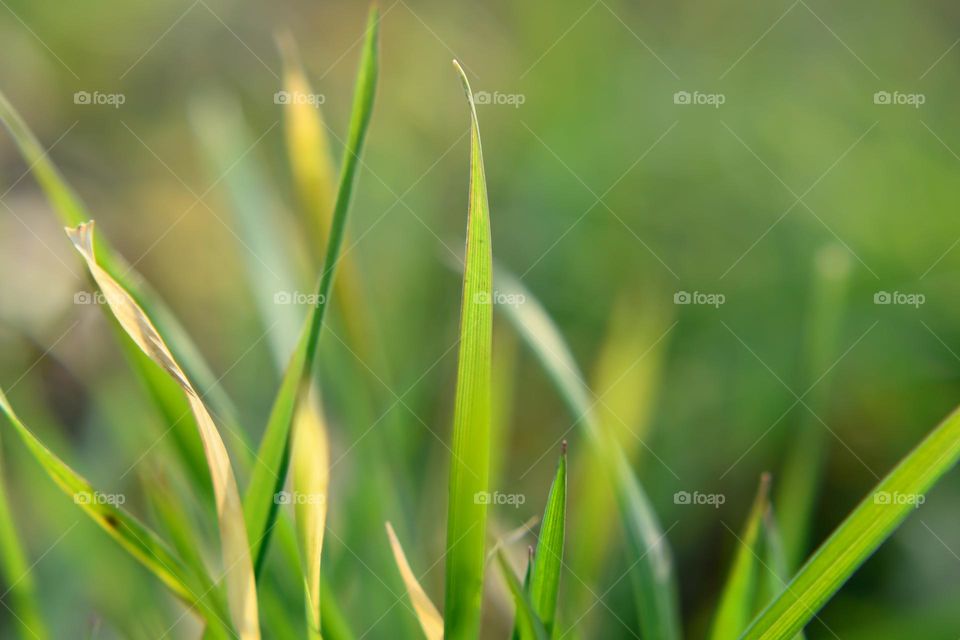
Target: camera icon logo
[[682, 297], [82, 497], [882, 97], [481, 497], [681, 497], [882, 297], [281, 97], [82, 97], [682, 97], [283, 497], [482, 97], [882, 497]]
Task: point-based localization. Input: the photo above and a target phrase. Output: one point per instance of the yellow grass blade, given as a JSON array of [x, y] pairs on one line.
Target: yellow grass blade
[[427, 614], [238, 569]]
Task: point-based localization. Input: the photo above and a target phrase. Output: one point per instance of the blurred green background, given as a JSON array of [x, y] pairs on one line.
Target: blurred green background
[[608, 198]]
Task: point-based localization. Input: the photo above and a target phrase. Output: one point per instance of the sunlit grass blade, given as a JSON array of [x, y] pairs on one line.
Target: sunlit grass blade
[[736, 606], [311, 477], [72, 212], [427, 614], [528, 624], [651, 562], [17, 574], [863, 531], [801, 476], [526, 589], [196, 591], [655, 586], [469, 463], [273, 455], [235, 549], [548, 560]]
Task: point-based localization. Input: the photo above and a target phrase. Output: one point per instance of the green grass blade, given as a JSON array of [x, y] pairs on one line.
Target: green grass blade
[[273, 456], [528, 624], [234, 547], [469, 463], [864, 530], [332, 621], [776, 574], [736, 607], [654, 580], [800, 480], [197, 592], [72, 212], [545, 577], [17, 572]]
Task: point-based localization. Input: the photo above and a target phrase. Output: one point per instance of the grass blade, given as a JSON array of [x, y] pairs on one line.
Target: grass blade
[[133, 536], [311, 476], [469, 464], [736, 606], [654, 581], [241, 590], [274, 453], [17, 572], [857, 537], [72, 212], [545, 577], [528, 625], [427, 613]]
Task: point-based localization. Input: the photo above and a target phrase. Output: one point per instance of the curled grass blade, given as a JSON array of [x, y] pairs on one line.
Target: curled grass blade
[[545, 576], [736, 606], [430, 620], [652, 567], [528, 625], [273, 455], [197, 592], [469, 463], [235, 550], [860, 534], [72, 212]]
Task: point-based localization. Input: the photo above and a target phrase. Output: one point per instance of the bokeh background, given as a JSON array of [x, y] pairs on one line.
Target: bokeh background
[[608, 198]]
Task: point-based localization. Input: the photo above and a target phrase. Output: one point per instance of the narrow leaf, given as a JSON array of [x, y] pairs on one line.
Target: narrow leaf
[[545, 577], [736, 606], [311, 476], [241, 591], [469, 464], [196, 591], [864, 530], [427, 613], [72, 212], [273, 455], [529, 626], [17, 573]]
